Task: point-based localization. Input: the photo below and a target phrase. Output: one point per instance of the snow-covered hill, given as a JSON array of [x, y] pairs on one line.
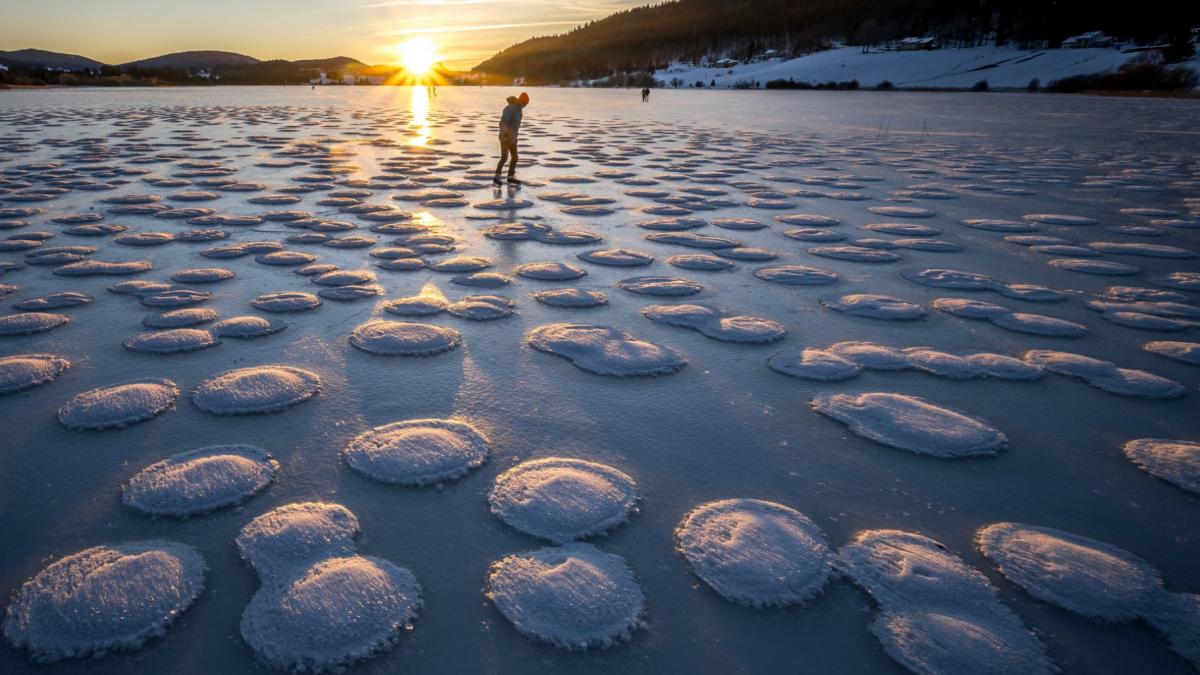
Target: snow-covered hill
[[1001, 66]]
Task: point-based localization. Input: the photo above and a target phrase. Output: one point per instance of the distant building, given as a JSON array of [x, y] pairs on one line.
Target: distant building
[[364, 79], [1090, 39], [725, 63], [323, 79], [913, 44]]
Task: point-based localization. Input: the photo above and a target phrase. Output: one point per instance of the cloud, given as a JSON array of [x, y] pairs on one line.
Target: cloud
[[471, 28]]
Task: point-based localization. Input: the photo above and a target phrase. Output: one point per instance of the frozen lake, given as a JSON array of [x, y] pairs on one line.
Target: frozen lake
[[1077, 217]]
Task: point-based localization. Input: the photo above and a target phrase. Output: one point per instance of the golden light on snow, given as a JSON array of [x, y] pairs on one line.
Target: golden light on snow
[[420, 115], [431, 290]]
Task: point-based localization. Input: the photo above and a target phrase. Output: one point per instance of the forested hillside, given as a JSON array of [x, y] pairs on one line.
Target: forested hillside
[[649, 37]]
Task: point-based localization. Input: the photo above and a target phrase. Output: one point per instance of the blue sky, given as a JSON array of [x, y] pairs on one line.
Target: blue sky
[[116, 31]]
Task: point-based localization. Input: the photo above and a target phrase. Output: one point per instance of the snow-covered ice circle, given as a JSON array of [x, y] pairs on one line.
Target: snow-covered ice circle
[[417, 452], [1106, 375], [1077, 573], [813, 364], [950, 642], [287, 301], [396, 338], [22, 371], [604, 350], [172, 341], [481, 307], [29, 323], [571, 297], [118, 405], [199, 481], [257, 389], [549, 271], [938, 616], [1174, 461], [295, 535], [755, 552], [338, 611], [710, 323], [874, 306], [180, 318], [416, 305], [573, 597], [561, 499], [104, 598], [796, 275], [911, 423], [660, 286], [246, 327]]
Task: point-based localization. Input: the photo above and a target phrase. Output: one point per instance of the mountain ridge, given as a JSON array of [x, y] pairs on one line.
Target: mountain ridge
[[188, 60], [49, 59], [193, 59], [335, 62]]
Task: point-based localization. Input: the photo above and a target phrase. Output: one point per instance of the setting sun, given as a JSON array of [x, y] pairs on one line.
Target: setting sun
[[418, 55]]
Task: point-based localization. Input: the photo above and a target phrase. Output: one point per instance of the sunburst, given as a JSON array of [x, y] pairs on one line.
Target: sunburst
[[418, 56]]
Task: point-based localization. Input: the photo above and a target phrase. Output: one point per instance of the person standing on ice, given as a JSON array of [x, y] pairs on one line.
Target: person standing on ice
[[510, 124]]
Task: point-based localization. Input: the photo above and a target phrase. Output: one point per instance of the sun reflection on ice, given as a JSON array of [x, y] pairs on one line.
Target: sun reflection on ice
[[420, 116]]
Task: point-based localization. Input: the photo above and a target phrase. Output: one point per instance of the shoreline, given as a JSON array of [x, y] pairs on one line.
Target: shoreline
[[1193, 94]]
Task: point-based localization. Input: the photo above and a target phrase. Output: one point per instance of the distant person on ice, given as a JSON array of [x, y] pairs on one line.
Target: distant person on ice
[[645, 94], [510, 124]]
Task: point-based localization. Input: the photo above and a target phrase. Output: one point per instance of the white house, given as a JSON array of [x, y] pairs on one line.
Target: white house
[[912, 44], [1092, 38]]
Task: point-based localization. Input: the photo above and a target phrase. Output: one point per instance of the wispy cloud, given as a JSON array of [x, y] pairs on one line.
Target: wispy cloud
[[471, 28]]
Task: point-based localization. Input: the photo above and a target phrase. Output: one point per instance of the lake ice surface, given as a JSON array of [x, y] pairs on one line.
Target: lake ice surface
[[1082, 170]]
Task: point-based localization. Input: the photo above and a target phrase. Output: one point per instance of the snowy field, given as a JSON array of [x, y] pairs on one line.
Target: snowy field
[[1004, 67], [737, 382]]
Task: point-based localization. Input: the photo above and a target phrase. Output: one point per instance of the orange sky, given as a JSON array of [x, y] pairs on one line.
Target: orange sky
[[117, 31]]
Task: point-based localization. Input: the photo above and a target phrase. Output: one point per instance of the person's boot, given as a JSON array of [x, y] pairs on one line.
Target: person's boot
[[496, 180], [513, 180]]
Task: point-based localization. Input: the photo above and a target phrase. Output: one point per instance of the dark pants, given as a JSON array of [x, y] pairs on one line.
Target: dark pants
[[508, 146]]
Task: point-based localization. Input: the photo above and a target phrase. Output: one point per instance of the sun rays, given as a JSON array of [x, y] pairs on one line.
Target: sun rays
[[418, 56]]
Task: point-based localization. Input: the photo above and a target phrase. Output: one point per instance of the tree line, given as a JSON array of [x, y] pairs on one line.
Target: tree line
[[648, 38]]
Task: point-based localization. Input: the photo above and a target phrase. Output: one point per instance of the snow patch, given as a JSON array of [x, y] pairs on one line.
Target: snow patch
[[605, 351], [258, 389], [573, 597], [561, 499], [417, 452], [912, 423], [755, 552], [104, 598], [200, 481], [118, 405]]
